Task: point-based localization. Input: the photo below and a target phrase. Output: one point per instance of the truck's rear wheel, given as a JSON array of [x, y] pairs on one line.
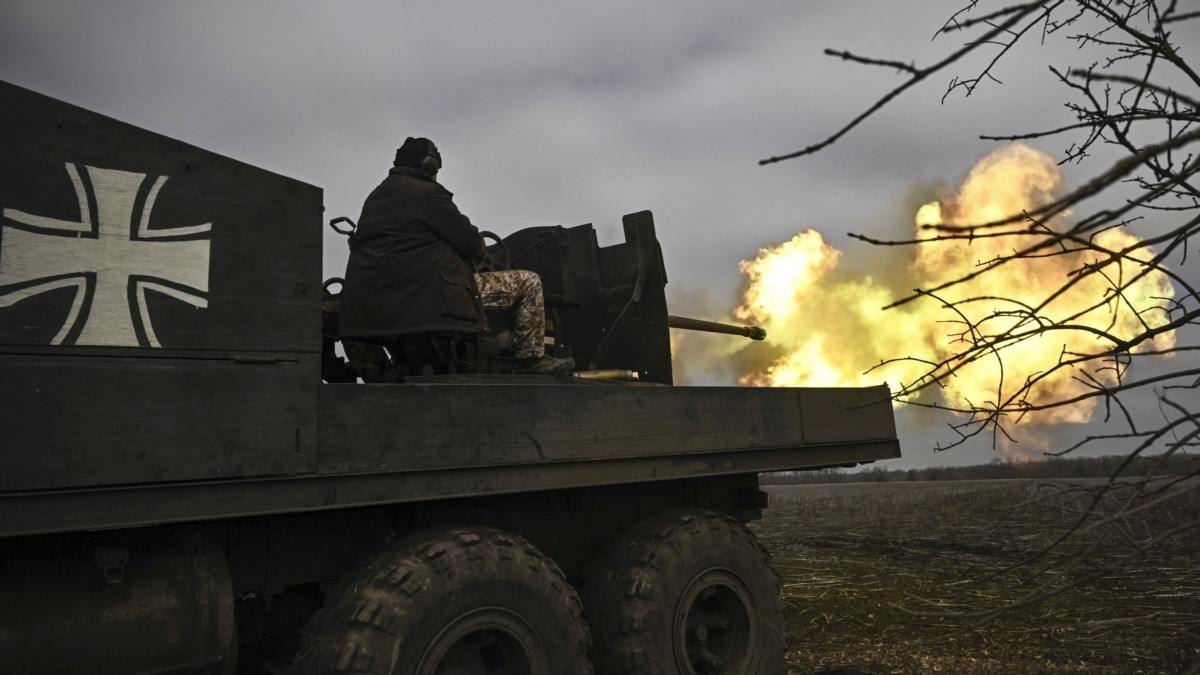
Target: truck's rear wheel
[[464, 601], [688, 592]]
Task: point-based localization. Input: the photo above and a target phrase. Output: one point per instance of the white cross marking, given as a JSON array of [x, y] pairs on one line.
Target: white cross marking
[[114, 254]]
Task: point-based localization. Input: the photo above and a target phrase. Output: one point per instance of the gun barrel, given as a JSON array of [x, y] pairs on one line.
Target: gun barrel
[[685, 323]]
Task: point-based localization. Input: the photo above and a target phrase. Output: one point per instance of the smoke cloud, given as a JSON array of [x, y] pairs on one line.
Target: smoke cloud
[[826, 323]]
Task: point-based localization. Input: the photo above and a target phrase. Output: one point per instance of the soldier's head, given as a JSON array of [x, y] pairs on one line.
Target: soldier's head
[[420, 154]]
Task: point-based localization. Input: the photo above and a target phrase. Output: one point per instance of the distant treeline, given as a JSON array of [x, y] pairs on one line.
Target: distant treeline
[[1066, 467]]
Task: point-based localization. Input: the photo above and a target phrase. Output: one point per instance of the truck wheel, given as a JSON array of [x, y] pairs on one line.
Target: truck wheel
[[688, 592], [464, 601]]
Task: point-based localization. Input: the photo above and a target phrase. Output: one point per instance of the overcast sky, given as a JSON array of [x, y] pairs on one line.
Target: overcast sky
[[554, 113]]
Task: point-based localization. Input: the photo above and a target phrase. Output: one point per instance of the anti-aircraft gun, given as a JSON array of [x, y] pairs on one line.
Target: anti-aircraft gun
[[182, 491], [605, 306]]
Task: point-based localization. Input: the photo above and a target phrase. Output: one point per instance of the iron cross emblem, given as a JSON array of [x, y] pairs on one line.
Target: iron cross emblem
[[111, 260]]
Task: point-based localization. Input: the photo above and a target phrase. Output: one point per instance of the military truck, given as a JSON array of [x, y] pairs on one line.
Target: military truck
[[192, 478]]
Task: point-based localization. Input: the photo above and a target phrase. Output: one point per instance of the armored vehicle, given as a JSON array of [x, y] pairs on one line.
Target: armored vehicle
[[193, 478]]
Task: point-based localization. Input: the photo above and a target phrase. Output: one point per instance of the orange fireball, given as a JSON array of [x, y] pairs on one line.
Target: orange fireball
[[829, 327]]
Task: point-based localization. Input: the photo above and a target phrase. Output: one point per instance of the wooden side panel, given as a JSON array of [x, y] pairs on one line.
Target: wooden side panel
[[62, 511], [411, 427], [114, 236], [832, 415], [137, 273], [385, 444], [79, 422]]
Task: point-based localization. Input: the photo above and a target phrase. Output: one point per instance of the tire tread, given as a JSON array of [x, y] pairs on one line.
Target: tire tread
[[620, 592], [356, 634]]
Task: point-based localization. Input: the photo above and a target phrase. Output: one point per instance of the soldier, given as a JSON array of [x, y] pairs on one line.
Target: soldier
[[411, 268]]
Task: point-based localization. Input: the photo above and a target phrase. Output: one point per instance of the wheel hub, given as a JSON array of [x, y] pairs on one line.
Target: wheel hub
[[714, 625], [489, 640]]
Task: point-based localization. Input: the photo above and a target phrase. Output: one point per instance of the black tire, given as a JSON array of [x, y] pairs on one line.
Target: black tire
[[688, 592], [464, 601]]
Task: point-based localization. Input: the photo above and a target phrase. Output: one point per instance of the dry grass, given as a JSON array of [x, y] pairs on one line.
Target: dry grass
[[903, 578]]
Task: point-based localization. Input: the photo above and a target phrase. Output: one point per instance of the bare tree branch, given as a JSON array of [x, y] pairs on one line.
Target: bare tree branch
[[1129, 226], [917, 76]]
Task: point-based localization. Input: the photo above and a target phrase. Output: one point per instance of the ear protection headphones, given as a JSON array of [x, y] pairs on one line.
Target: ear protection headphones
[[432, 162]]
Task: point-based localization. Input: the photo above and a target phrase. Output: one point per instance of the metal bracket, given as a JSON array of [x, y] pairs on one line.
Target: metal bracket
[[112, 560]]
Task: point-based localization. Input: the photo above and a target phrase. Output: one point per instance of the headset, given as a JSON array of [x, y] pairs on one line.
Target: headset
[[432, 162]]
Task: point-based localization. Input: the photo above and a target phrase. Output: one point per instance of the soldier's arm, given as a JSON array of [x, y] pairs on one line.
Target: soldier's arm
[[450, 224]]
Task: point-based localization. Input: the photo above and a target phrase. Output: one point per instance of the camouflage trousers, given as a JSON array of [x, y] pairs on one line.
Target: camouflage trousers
[[520, 293]]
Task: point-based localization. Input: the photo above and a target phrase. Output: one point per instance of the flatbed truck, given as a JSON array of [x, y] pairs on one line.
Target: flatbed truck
[[191, 480]]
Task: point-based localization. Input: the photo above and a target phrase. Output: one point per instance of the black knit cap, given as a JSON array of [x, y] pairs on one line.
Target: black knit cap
[[415, 150]]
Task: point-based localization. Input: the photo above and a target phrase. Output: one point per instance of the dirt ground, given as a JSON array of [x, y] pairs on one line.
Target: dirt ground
[[898, 578]]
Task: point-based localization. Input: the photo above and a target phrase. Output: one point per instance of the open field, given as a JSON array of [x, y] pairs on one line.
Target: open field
[[871, 572]]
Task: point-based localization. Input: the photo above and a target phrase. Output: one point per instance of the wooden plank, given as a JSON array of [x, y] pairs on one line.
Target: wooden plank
[[832, 414], [130, 506], [90, 421], [414, 427]]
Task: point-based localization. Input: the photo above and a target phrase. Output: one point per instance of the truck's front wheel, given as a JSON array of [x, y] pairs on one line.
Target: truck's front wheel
[[458, 601], [688, 592]]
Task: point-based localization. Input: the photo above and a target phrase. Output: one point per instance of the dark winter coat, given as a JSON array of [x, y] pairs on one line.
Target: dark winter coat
[[411, 263]]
